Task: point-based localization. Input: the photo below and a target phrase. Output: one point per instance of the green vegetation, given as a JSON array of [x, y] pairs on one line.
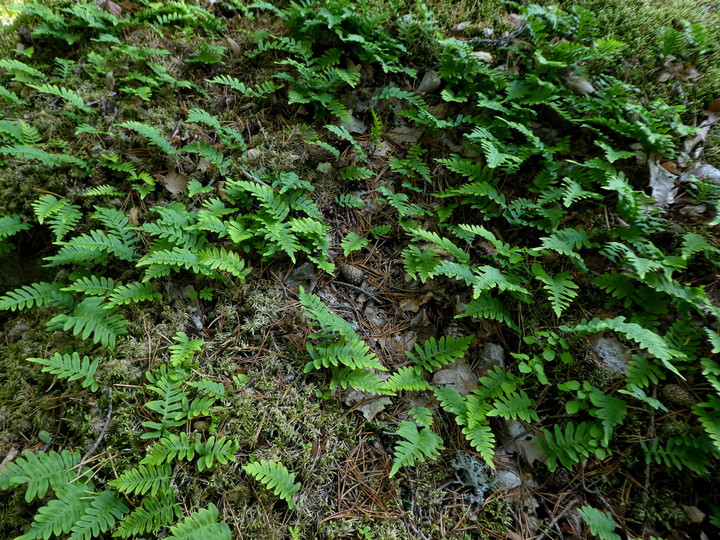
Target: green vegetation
[[225, 222]]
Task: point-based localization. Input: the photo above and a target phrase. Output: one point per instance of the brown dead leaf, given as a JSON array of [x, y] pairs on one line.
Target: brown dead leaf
[[414, 303], [112, 8], [234, 47], [662, 184], [175, 182], [133, 216], [458, 375]]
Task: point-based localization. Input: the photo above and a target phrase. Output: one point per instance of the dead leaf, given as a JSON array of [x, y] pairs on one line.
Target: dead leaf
[[112, 8], [610, 353], [234, 47], [405, 135], [369, 406], [414, 303], [133, 216], [458, 375], [662, 184], [175, 182], [10, 456]]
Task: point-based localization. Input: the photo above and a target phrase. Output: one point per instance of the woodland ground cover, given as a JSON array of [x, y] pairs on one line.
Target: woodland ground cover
[[327, 270]]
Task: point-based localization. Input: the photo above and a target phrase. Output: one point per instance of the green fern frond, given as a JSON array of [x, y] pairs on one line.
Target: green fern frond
[[487, 307], [20, 70], [225, 261], [71, 367], [143, 480], [92, 317], [184, 349], [201, 525], [37, 294], [276, 477], [513, 406], [60, 514], [68, 95], [134, 292], [418, 446], [329, 323], [221, 450], [200, 116], [104, 190], [407, 378], [572, 445], [10, 226], [259, 92], [152, 134], [600, 523], [482, 439], [647, 339], [155, 512], [170, 407], [364, 380], [709, 414], [420, 263], [561, 288], [435, 354], [104, 510], [692, 453], [40, 471], [170, 259], [353, 353], [209, 152], [24, 151], [91, 286]]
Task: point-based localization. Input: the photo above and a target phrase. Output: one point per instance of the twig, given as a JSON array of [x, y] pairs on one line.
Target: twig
[[557, 518], [361, 290], [100, 437]]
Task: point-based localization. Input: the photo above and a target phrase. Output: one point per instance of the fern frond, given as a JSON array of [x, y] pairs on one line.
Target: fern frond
[[561, 288], [514, 405], [37, 294], [152, 134], [276, 477], [170, 448], [201, 525], [487, 307], [481, 437], [692, 453], [71, 367], [221, 450], [647, 339], [329, 323], [60, 514], [143, 480], [184, 350], [91, 286], [572, 445], [169, 407], [600, 523], [435, 354], [68, 95], [408, 378], [364, 380], [155, 512], [709, 414], [418, 446], [225, 261], [92, 317], [40, 471], [104, 510], [24, 151], [353, 353], [134, 292]]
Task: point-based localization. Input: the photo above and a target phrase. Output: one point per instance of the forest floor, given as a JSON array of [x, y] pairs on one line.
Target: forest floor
[[360, 270]]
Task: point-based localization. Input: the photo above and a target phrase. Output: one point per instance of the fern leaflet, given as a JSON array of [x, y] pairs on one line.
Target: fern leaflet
[[276, 477], [71, 367]]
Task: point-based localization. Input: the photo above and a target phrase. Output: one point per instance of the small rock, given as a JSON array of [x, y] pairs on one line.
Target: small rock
[[611, 354], [355, 126], [303, 275], [578, 86], [490, 355], [459, 29], [482, 56], [678, 395], [694, 513], [430, 82], [352, 274], [506, 479]]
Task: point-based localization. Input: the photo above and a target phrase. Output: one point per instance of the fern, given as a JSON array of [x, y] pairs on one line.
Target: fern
[[709, 414], [134, 292], [20, 70], [37, 294], [647, 339], [180, 447], [61, 514], [169, 407], [221, 450], [408, 378], [561, 288], [24, 151], [487, 307], [92, 318], [10, 226], [600, 523], [152, 134], [156, 511], [572, 445], [40, 471], [435, 354], [681, 453], [353, 353], [143, 480], [91, 286], [259, 92], [513, 406], [201, 525], [71, 367], [68, 95], [225, 261], [418, 446], [104, 509], [276, 477], [182, 353], [329, 323]]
